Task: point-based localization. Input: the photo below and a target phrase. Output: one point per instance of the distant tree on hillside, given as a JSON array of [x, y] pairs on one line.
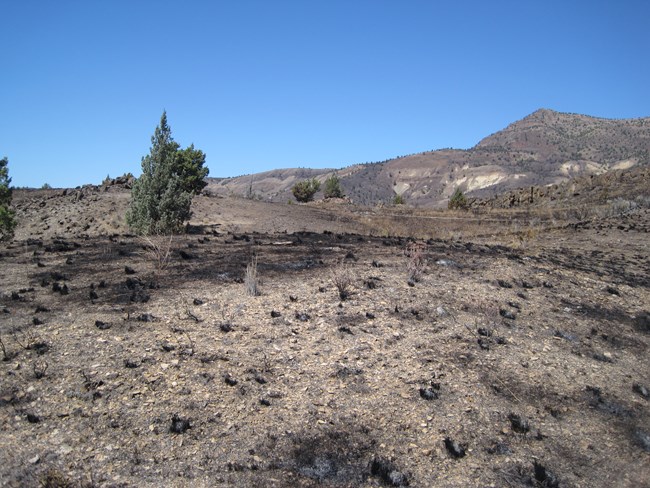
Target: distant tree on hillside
[[162, 195], [7, 215], [333, 187], [304, 191], [458, 200]]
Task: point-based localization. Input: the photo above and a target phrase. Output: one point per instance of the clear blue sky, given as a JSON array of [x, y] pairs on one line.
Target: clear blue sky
[[267, 84]]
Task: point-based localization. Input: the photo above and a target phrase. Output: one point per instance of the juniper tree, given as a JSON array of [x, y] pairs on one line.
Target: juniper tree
[[304, 191], [162, 195], [7, 215], [333, 187], [458, 200]]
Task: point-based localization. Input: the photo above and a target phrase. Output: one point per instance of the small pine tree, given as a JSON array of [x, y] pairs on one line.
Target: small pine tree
[[458, 200], [333, 187], [160, 204], [7, 214], [304, 191]]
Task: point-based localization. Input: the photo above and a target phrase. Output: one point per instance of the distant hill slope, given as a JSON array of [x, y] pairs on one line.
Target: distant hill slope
[[544, 148]]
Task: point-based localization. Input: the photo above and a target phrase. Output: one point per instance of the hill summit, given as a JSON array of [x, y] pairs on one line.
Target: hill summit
[[544, 148]]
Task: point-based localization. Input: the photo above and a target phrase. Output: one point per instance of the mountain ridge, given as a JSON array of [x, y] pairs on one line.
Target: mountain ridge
[[544, 148]]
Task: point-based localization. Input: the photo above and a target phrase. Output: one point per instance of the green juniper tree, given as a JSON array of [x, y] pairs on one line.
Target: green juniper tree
[[304, 191], [458, 200], [333, 187], [7, 215], [162, 195]]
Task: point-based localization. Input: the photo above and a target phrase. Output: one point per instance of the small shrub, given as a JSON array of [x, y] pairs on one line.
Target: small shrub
[[158, 248], [342, 279], [251, 280], [417, 261], [304, 191], [398, 200]]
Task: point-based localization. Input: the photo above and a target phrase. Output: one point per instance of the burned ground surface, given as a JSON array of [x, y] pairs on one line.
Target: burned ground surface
[[493, 366]]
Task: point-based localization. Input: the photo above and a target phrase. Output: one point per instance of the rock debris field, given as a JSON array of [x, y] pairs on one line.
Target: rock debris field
[[493, 366]]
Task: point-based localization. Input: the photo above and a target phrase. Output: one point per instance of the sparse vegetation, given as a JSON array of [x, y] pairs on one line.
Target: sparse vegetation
[[417, 261], [251, 281], [158, 249], [304, 191], [342, 279], [398, 200]]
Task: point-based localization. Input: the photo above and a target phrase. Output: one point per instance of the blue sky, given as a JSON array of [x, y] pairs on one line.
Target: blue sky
[[269, 84]]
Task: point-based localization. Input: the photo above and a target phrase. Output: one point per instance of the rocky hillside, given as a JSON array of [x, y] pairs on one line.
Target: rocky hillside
[[544, 148]]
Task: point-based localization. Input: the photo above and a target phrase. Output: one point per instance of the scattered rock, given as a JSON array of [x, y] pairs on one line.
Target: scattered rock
[[602, 357], [519, 424], [37, 321], [265, 402], [129, 270], [507, 314], [613, 291], [197, 301], [456, 450], [102, 325], [642, 322], [430, 393], [564, 335], [131, 363], [186, 255], [229, 380], [370, 316], [641, 390], [499, 448], [387, 473], [302, 316], [33, 418], [275, 314], [504, 284], [145, 317], [179, 425], [643, 438], [544, 477]]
